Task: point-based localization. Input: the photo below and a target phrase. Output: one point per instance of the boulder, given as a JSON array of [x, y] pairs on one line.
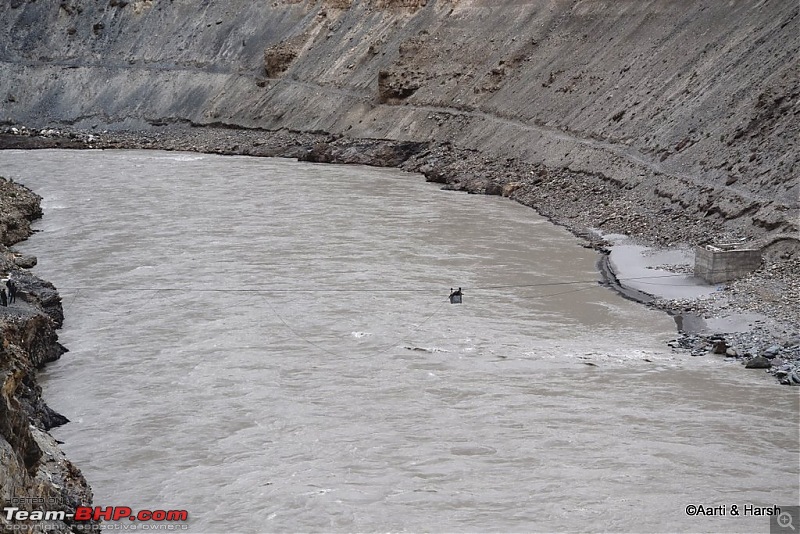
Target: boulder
[[720, 346], [759, 362], [24, 261]]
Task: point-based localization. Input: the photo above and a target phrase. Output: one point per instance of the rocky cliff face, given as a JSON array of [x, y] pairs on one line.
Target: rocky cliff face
[[20, 206], [688, 107], [34, 473]]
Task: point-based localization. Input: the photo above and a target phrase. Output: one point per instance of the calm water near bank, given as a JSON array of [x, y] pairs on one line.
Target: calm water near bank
[[268, 344]]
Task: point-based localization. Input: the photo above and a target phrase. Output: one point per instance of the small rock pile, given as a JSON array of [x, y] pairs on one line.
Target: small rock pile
[[47, 138], [755, 349]]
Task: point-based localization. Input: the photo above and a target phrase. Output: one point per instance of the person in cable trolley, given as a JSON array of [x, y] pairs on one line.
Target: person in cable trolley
[[455, 296]]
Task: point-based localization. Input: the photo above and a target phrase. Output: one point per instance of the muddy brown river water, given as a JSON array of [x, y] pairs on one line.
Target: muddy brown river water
[[268, 344]]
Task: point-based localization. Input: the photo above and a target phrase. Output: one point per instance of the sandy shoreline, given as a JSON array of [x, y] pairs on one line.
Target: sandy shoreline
[[754, 317]]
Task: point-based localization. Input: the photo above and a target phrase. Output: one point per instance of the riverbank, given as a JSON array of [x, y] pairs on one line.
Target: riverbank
[[35, 473], [754, 318]]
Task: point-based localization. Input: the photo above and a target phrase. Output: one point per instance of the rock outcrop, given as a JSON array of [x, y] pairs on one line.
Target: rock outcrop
[[34, 473], [19, 206]]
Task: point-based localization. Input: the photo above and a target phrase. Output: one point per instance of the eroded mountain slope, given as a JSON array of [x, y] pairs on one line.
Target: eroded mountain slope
[[690, 105]]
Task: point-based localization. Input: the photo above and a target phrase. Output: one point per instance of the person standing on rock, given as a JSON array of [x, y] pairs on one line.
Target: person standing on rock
[[12, 291], [3, 301]]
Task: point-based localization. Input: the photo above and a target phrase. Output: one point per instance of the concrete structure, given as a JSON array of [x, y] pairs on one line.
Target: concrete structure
[[723, 262]]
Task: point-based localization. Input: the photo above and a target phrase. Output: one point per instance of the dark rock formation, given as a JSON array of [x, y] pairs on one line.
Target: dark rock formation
[[759, 362], [34, 473], [277, 59], [18, 207]]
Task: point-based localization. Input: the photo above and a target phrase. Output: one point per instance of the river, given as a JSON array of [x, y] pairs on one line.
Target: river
[[268, 344]]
